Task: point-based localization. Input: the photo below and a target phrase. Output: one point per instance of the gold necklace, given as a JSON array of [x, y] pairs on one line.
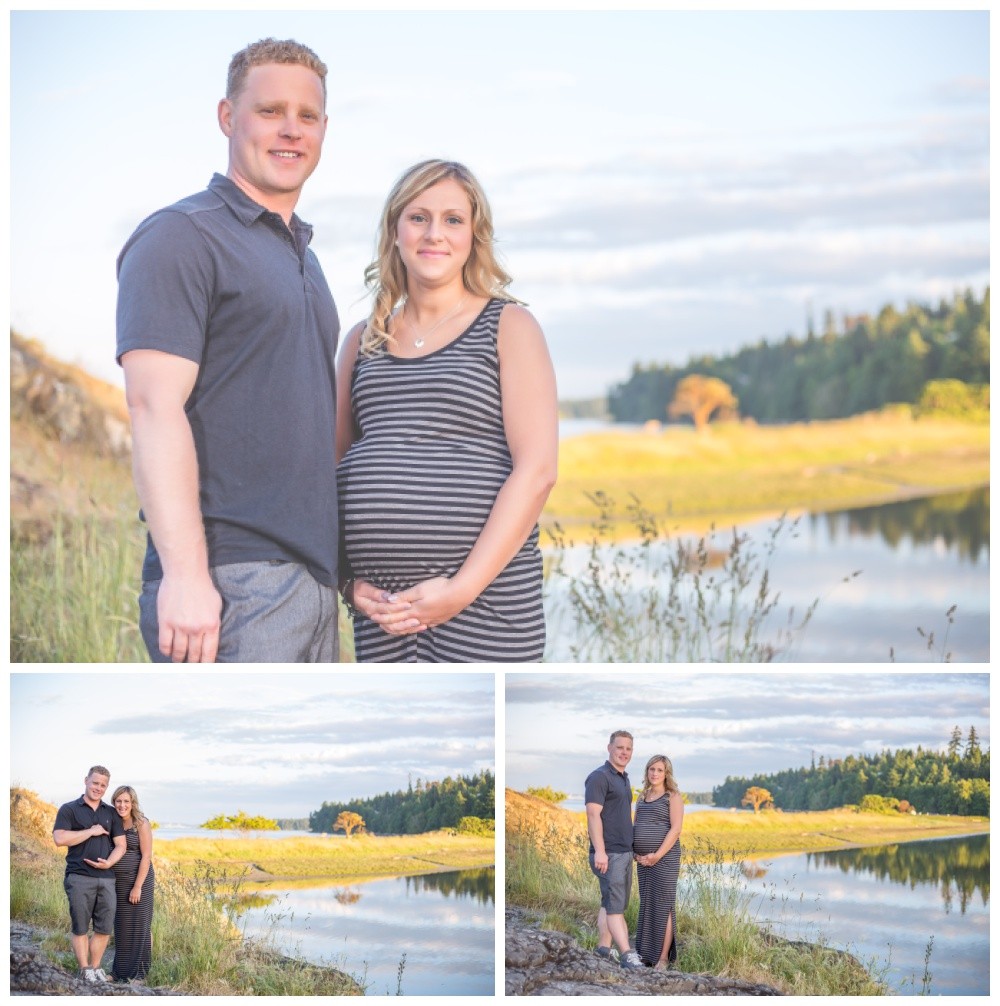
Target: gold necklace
[[421, 339]]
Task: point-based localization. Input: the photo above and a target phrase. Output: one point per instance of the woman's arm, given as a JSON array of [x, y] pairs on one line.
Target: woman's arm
[[146, 852], [531, 423], [676, 823]]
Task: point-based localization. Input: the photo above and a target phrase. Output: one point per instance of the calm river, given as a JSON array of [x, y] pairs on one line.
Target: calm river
[[914, 559], [886, 903], [442, 922]]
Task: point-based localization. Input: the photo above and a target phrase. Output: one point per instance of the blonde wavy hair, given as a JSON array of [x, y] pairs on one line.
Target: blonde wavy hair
[[137, 814], [385, 277], [669, 783]]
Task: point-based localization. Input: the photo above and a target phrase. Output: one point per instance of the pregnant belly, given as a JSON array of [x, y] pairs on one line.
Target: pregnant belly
[[402, 523]]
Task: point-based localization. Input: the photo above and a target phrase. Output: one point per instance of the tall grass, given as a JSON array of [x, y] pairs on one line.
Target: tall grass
[[73, 592], [668, 599], [718, 932], [198, 947]]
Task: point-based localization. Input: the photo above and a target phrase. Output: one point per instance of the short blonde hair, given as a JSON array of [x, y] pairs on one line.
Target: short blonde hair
[[385, 277], [271, 50]]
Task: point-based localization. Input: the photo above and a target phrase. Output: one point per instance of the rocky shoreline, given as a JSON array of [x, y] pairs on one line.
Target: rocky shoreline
[[32, 973], [540, 962]]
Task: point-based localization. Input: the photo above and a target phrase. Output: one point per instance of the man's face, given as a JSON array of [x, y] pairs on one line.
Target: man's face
[[275, 126], [620, 752], [95, 786]]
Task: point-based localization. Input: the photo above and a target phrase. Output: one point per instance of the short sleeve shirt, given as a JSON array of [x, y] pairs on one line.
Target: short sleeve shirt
[[613, 791], [221, 281], [79, 816]]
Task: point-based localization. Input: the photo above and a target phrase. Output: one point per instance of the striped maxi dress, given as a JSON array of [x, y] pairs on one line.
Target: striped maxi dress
[[416, 488], [133, 923], [657, 884]]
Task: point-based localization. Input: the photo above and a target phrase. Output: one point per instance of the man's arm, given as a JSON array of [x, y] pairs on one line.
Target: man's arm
[[67, 837], [595, 826], [121, 847], [165, 468]]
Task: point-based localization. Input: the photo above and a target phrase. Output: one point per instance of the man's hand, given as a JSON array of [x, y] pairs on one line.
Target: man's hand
[[601, 862], [98, 864], [98, 829], [189, 611]]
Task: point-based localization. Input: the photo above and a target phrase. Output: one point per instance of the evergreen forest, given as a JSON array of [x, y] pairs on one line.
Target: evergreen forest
[[956, 781], [425, 806], [865, 365]]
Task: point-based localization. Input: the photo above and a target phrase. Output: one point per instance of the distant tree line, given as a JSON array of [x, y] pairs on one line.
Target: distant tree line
[[240, 821], [956, 781], [425, 806], [293, 823], [870, 363]]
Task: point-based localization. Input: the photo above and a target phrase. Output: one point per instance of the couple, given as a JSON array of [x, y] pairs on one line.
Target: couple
[[409, 476], [653, 842], [98, 839]]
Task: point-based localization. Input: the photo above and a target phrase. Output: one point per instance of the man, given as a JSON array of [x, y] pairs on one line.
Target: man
[[608, 796], [227, 333], [91, 831]]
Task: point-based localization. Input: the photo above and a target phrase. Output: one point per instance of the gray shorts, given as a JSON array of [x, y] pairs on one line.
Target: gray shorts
[[91, 898], [271, 612], [616, 884]]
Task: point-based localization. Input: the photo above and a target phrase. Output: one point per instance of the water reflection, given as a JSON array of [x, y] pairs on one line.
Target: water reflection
[[442, 922], [957, 867], [885, 903], [959, 522]]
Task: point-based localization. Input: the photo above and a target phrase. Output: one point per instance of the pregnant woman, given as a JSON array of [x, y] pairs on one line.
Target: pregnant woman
[[659, 815], [446, 438], [134, 887]]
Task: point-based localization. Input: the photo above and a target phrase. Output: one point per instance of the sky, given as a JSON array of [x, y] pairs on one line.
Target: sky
[[278, 744], [716, 724], [664, 184]]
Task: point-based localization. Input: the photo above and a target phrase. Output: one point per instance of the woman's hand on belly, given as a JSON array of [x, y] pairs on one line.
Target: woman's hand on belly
[[435, 600], [395, 616]]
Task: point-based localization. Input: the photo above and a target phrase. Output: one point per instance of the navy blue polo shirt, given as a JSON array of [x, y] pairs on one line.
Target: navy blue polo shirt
[[613, 791], [220, 280], [79, 816]]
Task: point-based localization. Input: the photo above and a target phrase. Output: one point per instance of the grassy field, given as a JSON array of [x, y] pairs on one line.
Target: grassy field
[[354, 857], [732, 472]]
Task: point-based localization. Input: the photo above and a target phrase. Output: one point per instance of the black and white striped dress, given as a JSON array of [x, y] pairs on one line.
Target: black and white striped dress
[[657, 884], [416, 488], [133, 923]]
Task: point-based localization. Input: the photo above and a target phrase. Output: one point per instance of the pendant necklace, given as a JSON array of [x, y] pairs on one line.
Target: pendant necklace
[[421, 339]]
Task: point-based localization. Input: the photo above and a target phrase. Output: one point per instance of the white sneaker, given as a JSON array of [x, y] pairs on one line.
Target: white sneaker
[[100, 975], [631, 961], [87, 974]]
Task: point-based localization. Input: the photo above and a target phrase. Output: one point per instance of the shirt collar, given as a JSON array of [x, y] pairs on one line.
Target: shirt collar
[[611, 768], [248, 211]]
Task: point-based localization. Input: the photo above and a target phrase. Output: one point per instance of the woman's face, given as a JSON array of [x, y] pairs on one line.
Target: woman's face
[[123, 804], [656, 773], [434, 234]]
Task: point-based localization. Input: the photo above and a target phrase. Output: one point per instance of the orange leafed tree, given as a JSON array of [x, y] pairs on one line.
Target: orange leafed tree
[[699, 397], [347, 821], [757, 797]]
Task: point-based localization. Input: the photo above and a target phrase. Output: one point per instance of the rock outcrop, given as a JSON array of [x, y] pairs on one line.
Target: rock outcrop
[[32, 973], [544, 963]]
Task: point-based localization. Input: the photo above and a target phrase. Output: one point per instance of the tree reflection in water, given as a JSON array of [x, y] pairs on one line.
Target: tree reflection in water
[[478, 884], [960, 520], [957, 866]]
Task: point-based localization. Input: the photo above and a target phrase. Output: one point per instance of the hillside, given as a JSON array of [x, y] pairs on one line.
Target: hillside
[[70, 442]]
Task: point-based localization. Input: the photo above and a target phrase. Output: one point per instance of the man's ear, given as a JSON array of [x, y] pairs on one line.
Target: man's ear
[[226, 116]]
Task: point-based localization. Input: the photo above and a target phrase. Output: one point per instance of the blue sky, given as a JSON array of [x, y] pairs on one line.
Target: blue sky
[[199, 744], [716, 724], [663, 183]]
